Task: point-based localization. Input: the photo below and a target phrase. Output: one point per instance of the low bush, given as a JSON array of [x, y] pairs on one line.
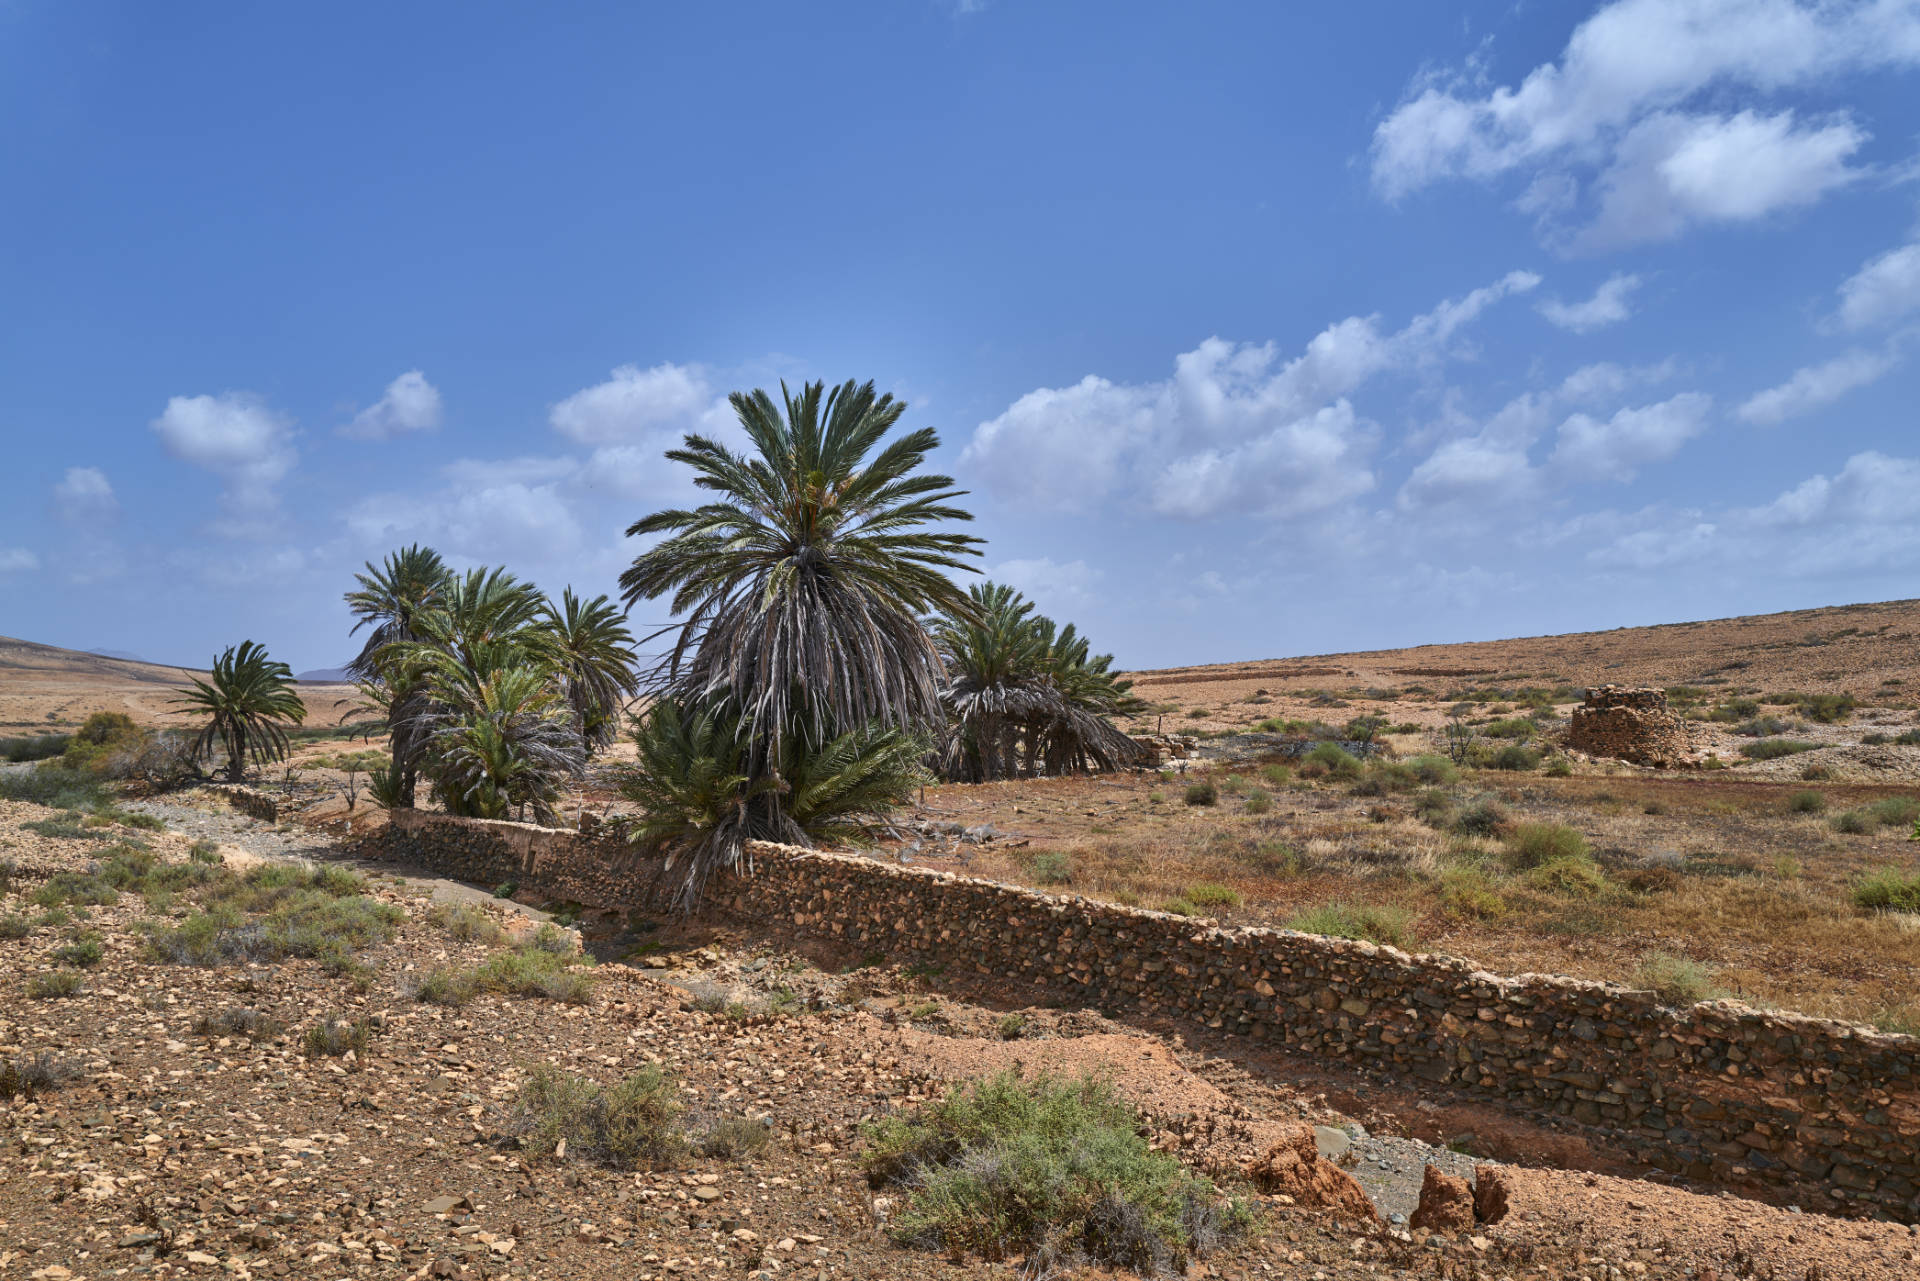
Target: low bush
[[1806, 802], [732, 1137], [467, 922], [1202, 793], [334, 1037], [1467, 892], [445, 985], [1674, 979], [83, 953], [1011, 1026], [274, 911], [1484, 816], [1895, 811], [1572, 876], [1772, 749], [55, 985], [241, 1020], [1258, 802], [1532, 844], [1888, 890], [1376, 924], [1212, 894], [15, 926], [1434, 771], [1179, 907], [1057, 1172], [1051, 867], [1517, 728], [1854, 822], [55, 788], [33, 747], [1335, 760], [1278, 775], [1762, 727], [1434, 807], [631, 1125], [1559, 767], [1515, 757], [28, 1076], [1827, 709]]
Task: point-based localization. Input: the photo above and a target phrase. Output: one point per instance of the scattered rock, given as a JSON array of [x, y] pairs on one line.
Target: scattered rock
[[1295, 1168]]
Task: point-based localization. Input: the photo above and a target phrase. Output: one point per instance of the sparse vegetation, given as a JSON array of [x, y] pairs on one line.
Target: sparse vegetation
[[1202, 792], [1770, 749], [1806, 802], [55, 985], [630, 1125], [1372, 922], [1888, 890], [1049, 1170], [1674, 979]]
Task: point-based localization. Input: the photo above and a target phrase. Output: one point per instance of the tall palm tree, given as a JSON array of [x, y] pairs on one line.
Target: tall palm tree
[[593, 651], [803, 585], [249, 698], [1027, 695], [390, 599], [495, 737]]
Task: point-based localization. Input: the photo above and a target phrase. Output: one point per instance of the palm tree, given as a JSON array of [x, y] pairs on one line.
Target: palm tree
[[803, 586], [390, 599], [1025, 694], [701, 803], [249, 698], [496, 737], [594, 653]]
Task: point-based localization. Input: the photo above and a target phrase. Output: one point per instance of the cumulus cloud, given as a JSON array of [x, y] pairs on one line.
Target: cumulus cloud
[[84, 496], [1816, 386], [410, 404], [239, 439], [1237, 429], [1608, 306], [507, 510], [634, 417], [1672, 171], [1616, 448], [1613, 103], [1883, 290], [17, 560]]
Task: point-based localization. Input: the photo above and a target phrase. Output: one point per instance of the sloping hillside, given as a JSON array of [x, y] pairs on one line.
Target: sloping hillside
[[45, 685]]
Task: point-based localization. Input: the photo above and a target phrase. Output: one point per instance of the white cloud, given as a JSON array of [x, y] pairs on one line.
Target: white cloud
[[1871, 489], [1468, 470], [1816, 385], [17, 560], [1622, 79], [1883, 290], [1236, 430], [410, 403], [503, 521], [236, 437], [1052, 585], [1672, 171], [1608, 306], [84, 496], [1616, 448], [634, 403]]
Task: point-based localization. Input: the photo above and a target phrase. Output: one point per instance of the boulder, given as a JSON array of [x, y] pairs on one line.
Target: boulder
[[1294, 1167], [1446, 1203], [1491, 1189]]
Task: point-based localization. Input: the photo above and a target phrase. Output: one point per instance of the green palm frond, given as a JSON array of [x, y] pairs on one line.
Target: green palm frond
[[593, 652]]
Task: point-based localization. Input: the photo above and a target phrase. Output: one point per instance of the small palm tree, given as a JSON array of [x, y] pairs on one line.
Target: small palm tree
[[497, 738], [803, 585], [701, 803], [391, 598], [593, 652], [249, 699]]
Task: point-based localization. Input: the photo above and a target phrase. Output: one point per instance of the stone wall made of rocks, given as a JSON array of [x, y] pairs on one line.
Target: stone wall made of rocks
[[1718, 1092], [253, 804], [1631, 725]]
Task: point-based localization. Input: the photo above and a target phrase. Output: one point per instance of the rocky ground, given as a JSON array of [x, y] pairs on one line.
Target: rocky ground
[[163, 1145]]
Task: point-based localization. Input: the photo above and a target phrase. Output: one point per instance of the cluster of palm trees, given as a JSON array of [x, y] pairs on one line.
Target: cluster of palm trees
[[824, 666], [490, 690]]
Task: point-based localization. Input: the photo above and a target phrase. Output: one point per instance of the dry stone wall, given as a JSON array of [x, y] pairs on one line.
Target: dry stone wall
[[1630, 725], [253, 804], [1718, 1092]]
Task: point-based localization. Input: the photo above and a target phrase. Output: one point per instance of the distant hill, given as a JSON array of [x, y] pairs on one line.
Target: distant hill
[[326, 676], [47, 687], [118, 653]]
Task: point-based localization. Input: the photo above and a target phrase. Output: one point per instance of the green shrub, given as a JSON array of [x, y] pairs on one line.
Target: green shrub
[[1434, 771], [1336, 760], [530, 971], [631, 1125], [1674, 979], [1816, 773], [1278, 775], [1232, 785], [1011, 1026], [1762, 727], [1056, 1171], [54, 788], [733, 1137], [1258, 802], [1517, 728], [1051, 867], [1179, 907], [1484, 816], [1376, 924], [1466, 892], [1202, 793], [1515, 757], [1735, 709], [467, 922], [1212, 894], [446, 986], [1888, 890], [334, 1037], [1574, 876], [1854, 822], [28, 1076], [15, 926], [1827, 709], [34, 747], [54, 985], [1771, 749], [1559, 767], [83, 953], [1895, 811], [1532, 844], [1197, 714], [1433, 807], [1806, 802]]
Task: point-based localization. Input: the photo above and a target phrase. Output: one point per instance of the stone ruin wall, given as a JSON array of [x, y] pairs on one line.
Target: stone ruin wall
[[1631, 725], [1825, 1111]]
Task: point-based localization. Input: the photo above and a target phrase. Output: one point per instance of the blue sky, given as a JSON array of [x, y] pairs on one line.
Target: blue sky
[[1253, 329]]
